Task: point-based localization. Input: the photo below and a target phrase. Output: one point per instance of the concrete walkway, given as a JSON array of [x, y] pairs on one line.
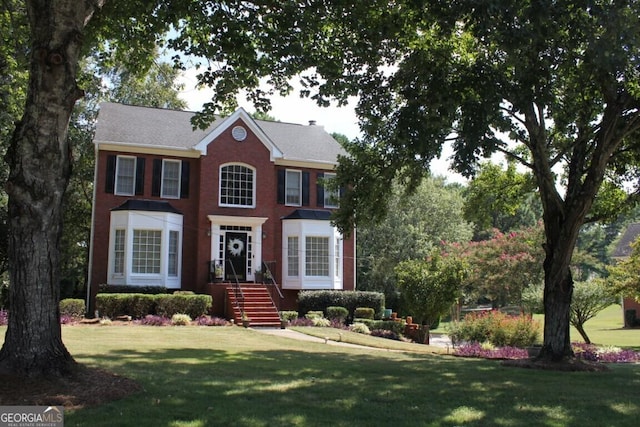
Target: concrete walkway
[[437, 340]]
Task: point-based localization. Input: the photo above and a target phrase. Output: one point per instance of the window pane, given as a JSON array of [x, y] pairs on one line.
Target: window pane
[[331, 197], [317, 256], [170, 179], [293, 257], [125, 175], [236, 185], [173, 253], [146, 251], [293, 186], [118, 252]]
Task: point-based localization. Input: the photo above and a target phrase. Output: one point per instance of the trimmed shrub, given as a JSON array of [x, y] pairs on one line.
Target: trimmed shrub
[[128, 289], [364, 313], [112, 305], [360, 328], [337, 313], [385, 333], [139, 305], [180, 319], [289, 315], [320, 300], [192, 305], [388, 325], [369, 322], [72, 307], [314, 315]]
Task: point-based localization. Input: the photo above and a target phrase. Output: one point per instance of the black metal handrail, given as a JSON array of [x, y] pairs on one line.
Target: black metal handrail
[[268, 278], [237, 289]]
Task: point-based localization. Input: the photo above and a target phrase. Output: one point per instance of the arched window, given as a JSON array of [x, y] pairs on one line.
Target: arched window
[[237, 186]]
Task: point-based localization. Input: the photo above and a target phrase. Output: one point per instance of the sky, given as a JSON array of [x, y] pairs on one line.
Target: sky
[[293, 109]]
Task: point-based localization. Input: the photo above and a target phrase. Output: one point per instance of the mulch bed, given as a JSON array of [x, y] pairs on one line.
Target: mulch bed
[[84, 387]]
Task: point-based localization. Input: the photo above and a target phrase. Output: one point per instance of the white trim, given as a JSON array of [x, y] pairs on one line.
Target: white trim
[[239, 114], [124, 147]]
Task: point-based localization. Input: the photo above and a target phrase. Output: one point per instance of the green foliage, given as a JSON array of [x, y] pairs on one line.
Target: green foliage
[[314, 314], [320, 300], [72, 307], [532, 299], [288, 315], [321, 322], [129, 289], [180, 319], [420, 221], [360, 328], [363, 313], [496, 328], [337, 313], [192, 305], [430, 287], [388, 325], [625, 275], [589, 298], [501, 199], [140, 305]]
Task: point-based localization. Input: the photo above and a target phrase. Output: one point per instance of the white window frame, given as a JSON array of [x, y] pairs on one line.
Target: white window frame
[[146, 253], [291, 199], [317, 256], [331, 197], [164, 191], [119, 252], [173, 251], [252, 199], [119, 165], [164, 223], [293, 256]]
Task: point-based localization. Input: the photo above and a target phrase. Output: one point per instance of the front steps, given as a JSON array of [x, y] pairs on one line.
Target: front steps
[[258, 305]]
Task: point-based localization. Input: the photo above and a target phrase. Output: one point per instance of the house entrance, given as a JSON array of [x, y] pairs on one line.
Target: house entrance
[[236, 256]]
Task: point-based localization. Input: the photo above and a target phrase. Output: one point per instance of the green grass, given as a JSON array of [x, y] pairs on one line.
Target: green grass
[[231, 376]]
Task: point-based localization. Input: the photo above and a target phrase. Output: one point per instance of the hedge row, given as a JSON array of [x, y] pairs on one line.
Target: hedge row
[[321, 300], [140, 305], [130, 289]]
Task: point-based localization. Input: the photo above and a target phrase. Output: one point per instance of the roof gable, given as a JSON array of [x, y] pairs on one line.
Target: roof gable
[[239, 114]]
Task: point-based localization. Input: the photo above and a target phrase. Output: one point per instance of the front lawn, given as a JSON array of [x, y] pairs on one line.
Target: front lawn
[[231, 376]]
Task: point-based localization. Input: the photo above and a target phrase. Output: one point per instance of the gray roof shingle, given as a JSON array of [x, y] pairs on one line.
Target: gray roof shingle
[[631, 234], [156, 127]]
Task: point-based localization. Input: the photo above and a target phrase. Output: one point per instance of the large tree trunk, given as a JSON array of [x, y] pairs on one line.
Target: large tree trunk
[[39, 162]]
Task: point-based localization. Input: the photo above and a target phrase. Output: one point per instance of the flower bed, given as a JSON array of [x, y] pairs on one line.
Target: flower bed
[[582, 351]]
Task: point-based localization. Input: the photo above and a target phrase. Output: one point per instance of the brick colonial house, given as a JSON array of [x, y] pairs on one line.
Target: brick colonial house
[[205, 210]]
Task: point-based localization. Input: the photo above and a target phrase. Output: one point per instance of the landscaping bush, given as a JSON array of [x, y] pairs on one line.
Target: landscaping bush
[[360, 328], [364, 313], [180, 319], [72, 307], [496, 328], [314, 315], [320, 300], [112, 305], [193, 305], [337, 313], [301, 321], [289, 315], [128, 289], [139, 305], [388, 325], [321, 322], [369, 322], [4, 317]]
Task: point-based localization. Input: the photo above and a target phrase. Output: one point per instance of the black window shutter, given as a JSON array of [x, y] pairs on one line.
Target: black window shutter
[[156, 177], [281, 183], [305, 188], [110, 178], [320, 191], [140, 176], [184, 180]]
